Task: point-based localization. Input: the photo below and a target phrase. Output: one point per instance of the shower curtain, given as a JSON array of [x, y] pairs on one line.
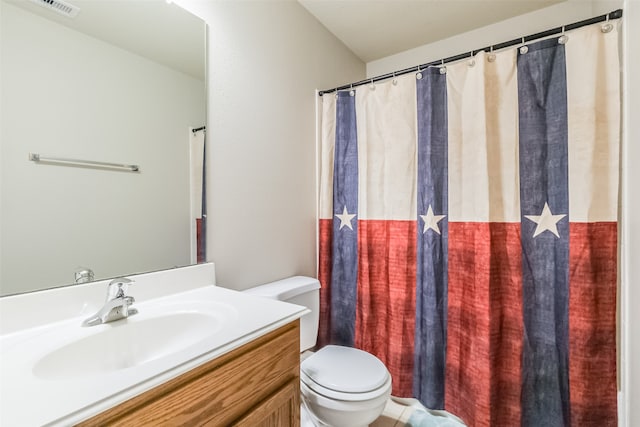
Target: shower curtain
[[197, 139], [468, 231]]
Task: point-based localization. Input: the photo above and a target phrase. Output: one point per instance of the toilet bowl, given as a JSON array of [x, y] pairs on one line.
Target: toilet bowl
[[340, 386], [343, 386]]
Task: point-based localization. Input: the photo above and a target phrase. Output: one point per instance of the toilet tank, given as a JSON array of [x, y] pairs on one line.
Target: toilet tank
[[304, 291]]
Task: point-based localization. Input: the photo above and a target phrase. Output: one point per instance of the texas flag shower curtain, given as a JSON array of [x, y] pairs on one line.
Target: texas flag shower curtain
[[468, 231]]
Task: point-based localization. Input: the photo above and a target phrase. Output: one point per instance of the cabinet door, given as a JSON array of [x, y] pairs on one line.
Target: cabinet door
[[281, 409]]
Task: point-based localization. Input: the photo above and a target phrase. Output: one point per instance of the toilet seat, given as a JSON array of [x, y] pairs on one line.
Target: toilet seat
[[345, 373], [344, 396]]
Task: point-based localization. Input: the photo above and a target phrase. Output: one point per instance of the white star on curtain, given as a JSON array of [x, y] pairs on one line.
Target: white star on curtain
[[431, 221], [345, 218], [546, 221]]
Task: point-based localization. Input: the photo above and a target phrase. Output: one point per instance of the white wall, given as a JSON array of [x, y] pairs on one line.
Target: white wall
[[266, 59], [65, 94], [523, 25]]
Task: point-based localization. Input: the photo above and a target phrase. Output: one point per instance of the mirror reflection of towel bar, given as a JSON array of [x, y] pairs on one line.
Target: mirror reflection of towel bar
[[34, 157]]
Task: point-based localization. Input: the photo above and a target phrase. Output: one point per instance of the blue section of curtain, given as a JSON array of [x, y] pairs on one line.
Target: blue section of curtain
[[542, 100], [431, 274], [345, 223]]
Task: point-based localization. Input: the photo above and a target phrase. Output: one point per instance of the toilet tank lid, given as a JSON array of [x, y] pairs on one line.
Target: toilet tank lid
[[285, 289]]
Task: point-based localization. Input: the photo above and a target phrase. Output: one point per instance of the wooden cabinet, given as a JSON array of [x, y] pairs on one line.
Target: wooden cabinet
[[257, 384], [280, 409]]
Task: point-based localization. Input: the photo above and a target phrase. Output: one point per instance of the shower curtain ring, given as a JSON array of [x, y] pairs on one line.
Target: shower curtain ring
[[607, 26], [352, 92], [563, 39], [443, 69], [395, 80], [419, 75], [472, 61], [524, 48], [372, 86], [492, 56]]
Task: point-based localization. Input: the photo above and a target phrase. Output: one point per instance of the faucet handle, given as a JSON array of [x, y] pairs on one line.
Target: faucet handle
[[118, 287]]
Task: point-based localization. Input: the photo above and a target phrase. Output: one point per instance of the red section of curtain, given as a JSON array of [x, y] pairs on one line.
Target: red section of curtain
[[593, 278], [386, 308], [485, 327]]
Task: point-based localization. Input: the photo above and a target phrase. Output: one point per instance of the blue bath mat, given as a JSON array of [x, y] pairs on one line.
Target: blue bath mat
[[423, 417]]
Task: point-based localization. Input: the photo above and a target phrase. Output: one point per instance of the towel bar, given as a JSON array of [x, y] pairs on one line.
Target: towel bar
[[34, 157]]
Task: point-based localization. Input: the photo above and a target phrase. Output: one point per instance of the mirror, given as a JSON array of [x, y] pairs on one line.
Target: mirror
[[121, 82]]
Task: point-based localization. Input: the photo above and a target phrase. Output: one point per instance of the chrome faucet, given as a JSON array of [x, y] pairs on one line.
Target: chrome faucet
[[117, 305]]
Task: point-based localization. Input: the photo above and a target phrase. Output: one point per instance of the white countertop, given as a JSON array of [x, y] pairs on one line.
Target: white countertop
[[27, 399]]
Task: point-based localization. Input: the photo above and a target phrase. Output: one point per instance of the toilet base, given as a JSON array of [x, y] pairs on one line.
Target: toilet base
[[325, 412], [306, 420]]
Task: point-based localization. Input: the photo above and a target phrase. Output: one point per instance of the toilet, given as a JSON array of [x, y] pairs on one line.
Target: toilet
[[340, 386]]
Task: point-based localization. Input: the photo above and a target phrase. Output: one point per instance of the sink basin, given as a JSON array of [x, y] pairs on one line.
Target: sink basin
[[131, 342]]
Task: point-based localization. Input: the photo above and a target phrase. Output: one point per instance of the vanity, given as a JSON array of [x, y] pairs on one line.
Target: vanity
[[254, 385], [194, 354]]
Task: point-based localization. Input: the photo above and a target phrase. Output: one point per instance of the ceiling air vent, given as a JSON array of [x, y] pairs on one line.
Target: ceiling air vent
[[59, 6]]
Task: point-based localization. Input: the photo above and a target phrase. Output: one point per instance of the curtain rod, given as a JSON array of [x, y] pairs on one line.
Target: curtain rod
[[616, 14]]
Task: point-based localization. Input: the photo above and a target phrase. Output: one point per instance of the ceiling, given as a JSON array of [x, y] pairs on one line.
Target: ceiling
[[373, 29], [154, 29]]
